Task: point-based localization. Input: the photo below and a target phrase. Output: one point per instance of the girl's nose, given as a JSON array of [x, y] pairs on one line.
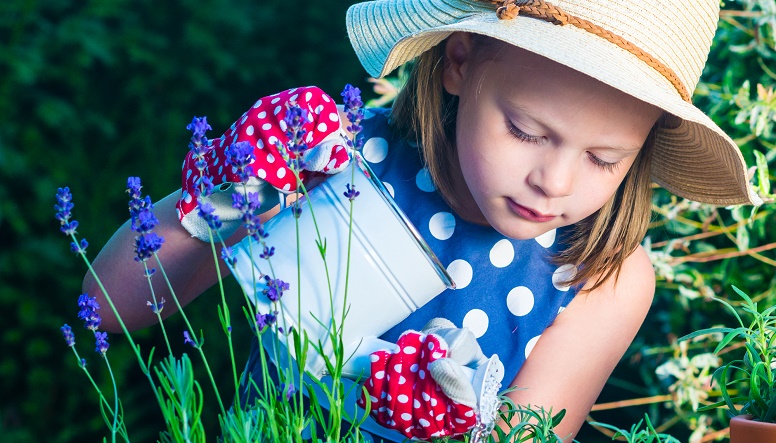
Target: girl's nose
[[554, 176]]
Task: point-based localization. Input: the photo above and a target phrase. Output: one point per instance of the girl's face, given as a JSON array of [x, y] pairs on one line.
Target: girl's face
[[539, 144]]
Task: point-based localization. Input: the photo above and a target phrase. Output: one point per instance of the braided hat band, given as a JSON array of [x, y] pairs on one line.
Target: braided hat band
[[509, 9], [654, 51]]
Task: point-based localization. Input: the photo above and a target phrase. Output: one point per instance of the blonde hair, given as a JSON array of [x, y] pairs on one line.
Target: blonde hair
[[597, 245]]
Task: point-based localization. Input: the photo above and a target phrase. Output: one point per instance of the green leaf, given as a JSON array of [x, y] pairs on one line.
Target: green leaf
[[706, 331], [763, 178]]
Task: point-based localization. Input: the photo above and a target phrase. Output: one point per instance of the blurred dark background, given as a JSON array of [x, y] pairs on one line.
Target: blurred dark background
[[92, 92]]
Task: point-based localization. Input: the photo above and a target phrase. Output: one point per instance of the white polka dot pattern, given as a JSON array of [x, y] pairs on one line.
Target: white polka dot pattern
[[424, 182], [546, 239], [520, 301], [476, 321], [375, 150], [502, 253], [461, 272], [442, 225]]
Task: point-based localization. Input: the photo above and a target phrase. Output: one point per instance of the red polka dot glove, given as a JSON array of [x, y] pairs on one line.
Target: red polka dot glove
[[422, 390], [263, 126]]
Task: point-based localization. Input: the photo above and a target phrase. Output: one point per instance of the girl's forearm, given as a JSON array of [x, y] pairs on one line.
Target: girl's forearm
[[187, 261]]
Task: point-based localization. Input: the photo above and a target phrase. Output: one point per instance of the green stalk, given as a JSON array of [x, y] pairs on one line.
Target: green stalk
[[191, 331], [158, 311], [135, 347], [115, 401], [225, 308]]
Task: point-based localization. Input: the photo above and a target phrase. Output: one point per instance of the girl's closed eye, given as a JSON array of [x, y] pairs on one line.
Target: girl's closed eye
[[606, 166], [522, 136]]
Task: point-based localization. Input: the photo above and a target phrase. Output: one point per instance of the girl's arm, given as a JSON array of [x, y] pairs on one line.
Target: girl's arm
[[187, 261], [572, 361]]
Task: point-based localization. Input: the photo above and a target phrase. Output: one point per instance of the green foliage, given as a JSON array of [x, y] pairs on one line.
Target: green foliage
[[754, 371], [638, 435]]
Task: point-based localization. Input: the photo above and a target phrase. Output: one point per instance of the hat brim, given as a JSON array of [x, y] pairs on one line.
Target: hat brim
[[694, 159]]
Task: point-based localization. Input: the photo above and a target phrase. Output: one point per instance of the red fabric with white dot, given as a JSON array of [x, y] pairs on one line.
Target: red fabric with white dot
[[263, 126], [405, 397]]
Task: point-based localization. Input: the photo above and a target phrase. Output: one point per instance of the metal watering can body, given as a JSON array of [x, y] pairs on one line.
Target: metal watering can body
[[392, 271]]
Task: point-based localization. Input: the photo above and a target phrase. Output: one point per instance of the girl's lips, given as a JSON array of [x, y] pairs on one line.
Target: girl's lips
[[529, 214]]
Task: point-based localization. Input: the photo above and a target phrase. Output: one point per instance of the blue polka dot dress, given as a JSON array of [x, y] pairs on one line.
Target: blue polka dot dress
[[508, 291]]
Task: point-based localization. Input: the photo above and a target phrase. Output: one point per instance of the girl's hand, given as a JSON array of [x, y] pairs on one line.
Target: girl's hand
[[262, 127], [422, 390]]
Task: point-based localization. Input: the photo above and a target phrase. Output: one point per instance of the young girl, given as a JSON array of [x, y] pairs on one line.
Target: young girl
[[523, 148]]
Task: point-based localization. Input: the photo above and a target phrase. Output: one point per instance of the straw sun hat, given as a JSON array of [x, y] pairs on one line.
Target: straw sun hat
[[653, 50]]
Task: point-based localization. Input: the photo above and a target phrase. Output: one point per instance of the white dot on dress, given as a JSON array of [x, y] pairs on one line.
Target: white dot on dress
[[270, 158], [461, 272], [266, 126], [308, 96], [563, 274], [375, 149], [322, 127], [520, 301], [334, 117], [281, 172], [530, 345], [442, 225], [502, 253], [389, 188], [277, 110], [546, 239], [262, 174], [424, 182], [249, 130], [257, 104], [476, 321], [275, 100]]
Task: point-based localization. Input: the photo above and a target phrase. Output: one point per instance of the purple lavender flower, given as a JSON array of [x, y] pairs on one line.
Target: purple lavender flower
[[187, 339], [206, 212], [355, 112], [88, 312], [67, 332], [268, 252], [133, 188], [294, 119], [227, 254], [198, 127], [248, 207], [275, 288], [204, 186], [149, 272], [146, 245], [240, 155], [101, 342], [137, 202], [145, 221], [351, 193], [79, 248], [288, 389], [82, 363], [156, 308], [265, 320], [63, 207]]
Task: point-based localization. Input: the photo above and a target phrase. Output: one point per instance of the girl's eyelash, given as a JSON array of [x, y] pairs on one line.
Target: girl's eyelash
[[522, 136], [606, 166]]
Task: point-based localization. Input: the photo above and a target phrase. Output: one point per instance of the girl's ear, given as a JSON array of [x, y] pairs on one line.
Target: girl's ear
[[457, 60]]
